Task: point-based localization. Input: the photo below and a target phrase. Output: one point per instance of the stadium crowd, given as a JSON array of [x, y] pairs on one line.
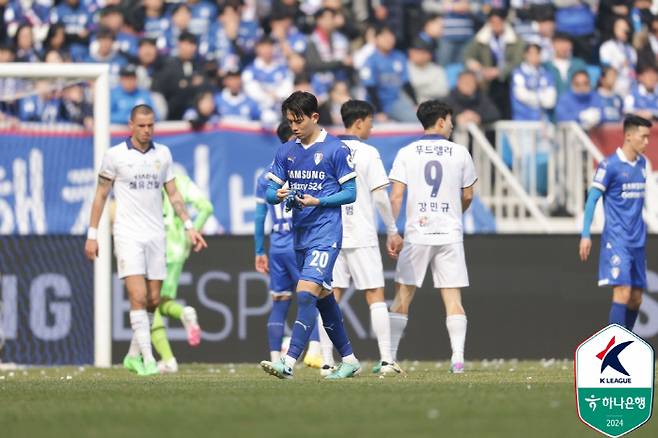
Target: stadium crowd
[[201, 60]]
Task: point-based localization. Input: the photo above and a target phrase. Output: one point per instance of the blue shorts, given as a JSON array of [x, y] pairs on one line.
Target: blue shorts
[[283, 273], [317, 264], [622, 266]]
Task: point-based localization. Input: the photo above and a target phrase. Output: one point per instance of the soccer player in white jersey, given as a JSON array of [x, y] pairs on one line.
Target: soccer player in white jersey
[[438, 176], [360, 259], [137, 169]]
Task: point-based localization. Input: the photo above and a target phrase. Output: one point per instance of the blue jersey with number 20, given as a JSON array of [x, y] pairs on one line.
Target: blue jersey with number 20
[[317, 170]]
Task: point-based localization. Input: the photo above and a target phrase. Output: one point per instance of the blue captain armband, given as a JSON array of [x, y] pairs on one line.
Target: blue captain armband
[[347, 195]]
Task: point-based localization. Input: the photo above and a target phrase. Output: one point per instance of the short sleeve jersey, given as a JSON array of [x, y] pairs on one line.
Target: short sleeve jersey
[[623, 184], [281, 236], [435, 171], [138, 180], [318, 170], [359, 222]]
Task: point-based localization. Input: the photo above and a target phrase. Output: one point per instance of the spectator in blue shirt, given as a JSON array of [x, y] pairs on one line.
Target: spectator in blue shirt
[[290, 43], [563, 64], [643, 98], [104, 50], [533, 88], [77, 21], [111, 17], [580, 104], [44, 107], [181, 18], [203, 112], [576, 18], [156, 20], [458, 29], [24, 44], [126, 95], [612, 106], [386, 80], [203, 14], [232, 102]]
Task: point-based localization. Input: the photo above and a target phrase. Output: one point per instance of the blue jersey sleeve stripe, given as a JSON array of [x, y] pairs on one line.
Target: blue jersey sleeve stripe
[[275, 178], [347, 177], [599, 186]]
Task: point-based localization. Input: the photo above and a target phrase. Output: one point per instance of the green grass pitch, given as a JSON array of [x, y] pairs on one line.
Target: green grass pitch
[[492, 399]]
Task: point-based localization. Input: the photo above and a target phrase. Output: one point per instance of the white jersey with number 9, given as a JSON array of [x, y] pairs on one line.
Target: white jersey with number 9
[[435, 171]]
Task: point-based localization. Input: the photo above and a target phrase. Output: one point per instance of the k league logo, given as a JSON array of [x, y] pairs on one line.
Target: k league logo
[[614, 372]]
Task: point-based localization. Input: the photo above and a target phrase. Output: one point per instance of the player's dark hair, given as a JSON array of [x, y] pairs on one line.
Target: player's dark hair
[[578, 73], [354, 110], [632, 122], [284, 131], [300, 104], [432, 110], [141, 109]]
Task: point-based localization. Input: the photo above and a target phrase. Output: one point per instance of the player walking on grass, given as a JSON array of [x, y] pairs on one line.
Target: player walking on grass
[[281, 264], [360, 259], [438, 176], [620, 180], [178, 250], [321, 178], [138, 169]]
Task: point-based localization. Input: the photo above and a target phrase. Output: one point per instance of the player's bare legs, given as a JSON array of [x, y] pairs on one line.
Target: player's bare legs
[[456, 325], [142, 297], [404, 295]]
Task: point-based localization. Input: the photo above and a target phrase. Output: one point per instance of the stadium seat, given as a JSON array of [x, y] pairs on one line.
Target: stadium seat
[[452, 72], [594, 72]]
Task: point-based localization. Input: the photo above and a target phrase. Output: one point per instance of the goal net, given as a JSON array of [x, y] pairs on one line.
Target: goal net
[[54, 127]]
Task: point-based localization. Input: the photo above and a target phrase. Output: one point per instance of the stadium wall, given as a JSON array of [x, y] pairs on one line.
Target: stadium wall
[[530, 297]]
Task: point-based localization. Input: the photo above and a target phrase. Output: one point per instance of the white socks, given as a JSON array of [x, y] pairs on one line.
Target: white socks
[[351, 359], [139, 320], [398, 322], [290, 361], [456, 325], [381, 325], [326, 345], [275, 356]]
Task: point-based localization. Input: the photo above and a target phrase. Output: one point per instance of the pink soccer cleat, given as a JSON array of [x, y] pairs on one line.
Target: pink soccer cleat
[[191, 325]]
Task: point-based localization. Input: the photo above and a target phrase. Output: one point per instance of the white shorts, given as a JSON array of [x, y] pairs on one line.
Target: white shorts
[[141, 258], [448, 264], [362, 265]]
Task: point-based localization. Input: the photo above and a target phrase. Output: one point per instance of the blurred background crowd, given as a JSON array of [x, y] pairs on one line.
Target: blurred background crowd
[[203, 61]]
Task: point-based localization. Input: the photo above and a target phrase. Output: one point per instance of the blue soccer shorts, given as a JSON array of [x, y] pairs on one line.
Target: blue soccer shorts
[[317, 264], [622, 266], [283, 273]]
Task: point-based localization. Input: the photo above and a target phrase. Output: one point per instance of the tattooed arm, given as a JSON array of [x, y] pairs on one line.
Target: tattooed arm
[[178, 203], [103, 190]]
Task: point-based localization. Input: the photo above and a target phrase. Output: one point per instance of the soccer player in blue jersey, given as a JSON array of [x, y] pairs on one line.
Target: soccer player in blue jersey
[[281, 264], [319, 170], [620, 179]]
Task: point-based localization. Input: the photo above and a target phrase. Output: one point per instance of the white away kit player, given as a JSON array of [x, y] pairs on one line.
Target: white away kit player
[[438, 176]]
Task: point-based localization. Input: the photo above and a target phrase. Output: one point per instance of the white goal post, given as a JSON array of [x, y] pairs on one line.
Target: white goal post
[[99, 74]]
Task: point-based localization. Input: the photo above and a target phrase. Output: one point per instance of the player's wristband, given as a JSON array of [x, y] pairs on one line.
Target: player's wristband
[[188, 224], [92, 233]]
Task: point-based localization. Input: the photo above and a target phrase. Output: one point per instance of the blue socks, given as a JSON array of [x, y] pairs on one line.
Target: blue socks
[[307, 315], [631, 316], [618, 314], [332, 319], [315, 334], [276, 323]]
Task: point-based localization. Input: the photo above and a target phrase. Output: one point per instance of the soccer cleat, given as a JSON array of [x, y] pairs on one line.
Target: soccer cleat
[[149, 369], [389, 368], [191, 325], [327, 370], [133, 364], [168, 366], [344, 371], [277, 369], [312, 360], [457, 368]]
